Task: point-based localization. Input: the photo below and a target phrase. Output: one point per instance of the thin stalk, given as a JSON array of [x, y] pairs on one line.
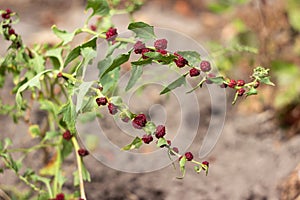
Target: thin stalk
[[79, 165]]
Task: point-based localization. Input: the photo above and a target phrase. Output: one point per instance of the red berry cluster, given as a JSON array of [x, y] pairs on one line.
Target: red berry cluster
[[67, 135], [9, 32], [61, 196], [111, 34]]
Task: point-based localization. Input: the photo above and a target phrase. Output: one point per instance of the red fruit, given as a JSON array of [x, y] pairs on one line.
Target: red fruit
[[113, 109], [194, 72], [257, 83], [189, 156], [180, 61], [232, 83], [59, 75], [60, 196], [83, 152], [67, 135], [241, 91], [205, 163], [240, 83], [205, 66], [7, 13], [147, 139], [175, 149], [161, 44], [93, 27], [139, 121], [223, 85], [160, 131], [111, 34], [11, 31], [162, 51], [101, 101], [138, 47], [145, 50]]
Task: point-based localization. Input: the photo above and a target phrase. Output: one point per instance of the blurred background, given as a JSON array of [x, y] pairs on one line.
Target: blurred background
[[258, 154]]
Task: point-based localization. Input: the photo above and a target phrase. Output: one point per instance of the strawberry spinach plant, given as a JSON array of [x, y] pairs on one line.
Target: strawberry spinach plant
[[53, 77]]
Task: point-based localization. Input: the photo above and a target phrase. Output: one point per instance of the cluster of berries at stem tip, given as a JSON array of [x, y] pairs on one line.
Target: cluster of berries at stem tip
[[9, 32], [61, 196]]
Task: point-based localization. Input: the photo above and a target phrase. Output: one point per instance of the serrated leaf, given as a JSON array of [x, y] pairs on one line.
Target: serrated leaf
[[64, 35], [37, 63], [34, 131], [100, 7], [142, 30], [135, 144], [252, 91], [34, 82], [193, 57], [69, 115], [76, 51], [119, 60], [136, 72], [177, 83], [217, 80], [267, 81], [56, 57], [82, 90]]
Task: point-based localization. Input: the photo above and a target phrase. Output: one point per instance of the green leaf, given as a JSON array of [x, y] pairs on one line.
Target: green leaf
[[135, 144], [267, 81], [34, 130], [69, 115], [82, 90], [142, 62], [197, 169], [116, 100], [161, 142], [193, 57], [142, 30], [100, 7], [162, 59], [112, 48], [177, 83], [76, 51], [56, 58], [51, 134], [67, 149], [182, 163], [252, 91], [136, 72], [88, 55], [49, 106], [64, 35], [149, 128], [37, 63], [217, 80], [85, 173], [34, 82], [110, 81], [119, 60]]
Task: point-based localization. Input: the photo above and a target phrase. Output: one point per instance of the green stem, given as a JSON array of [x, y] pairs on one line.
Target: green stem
[[79, 165]]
